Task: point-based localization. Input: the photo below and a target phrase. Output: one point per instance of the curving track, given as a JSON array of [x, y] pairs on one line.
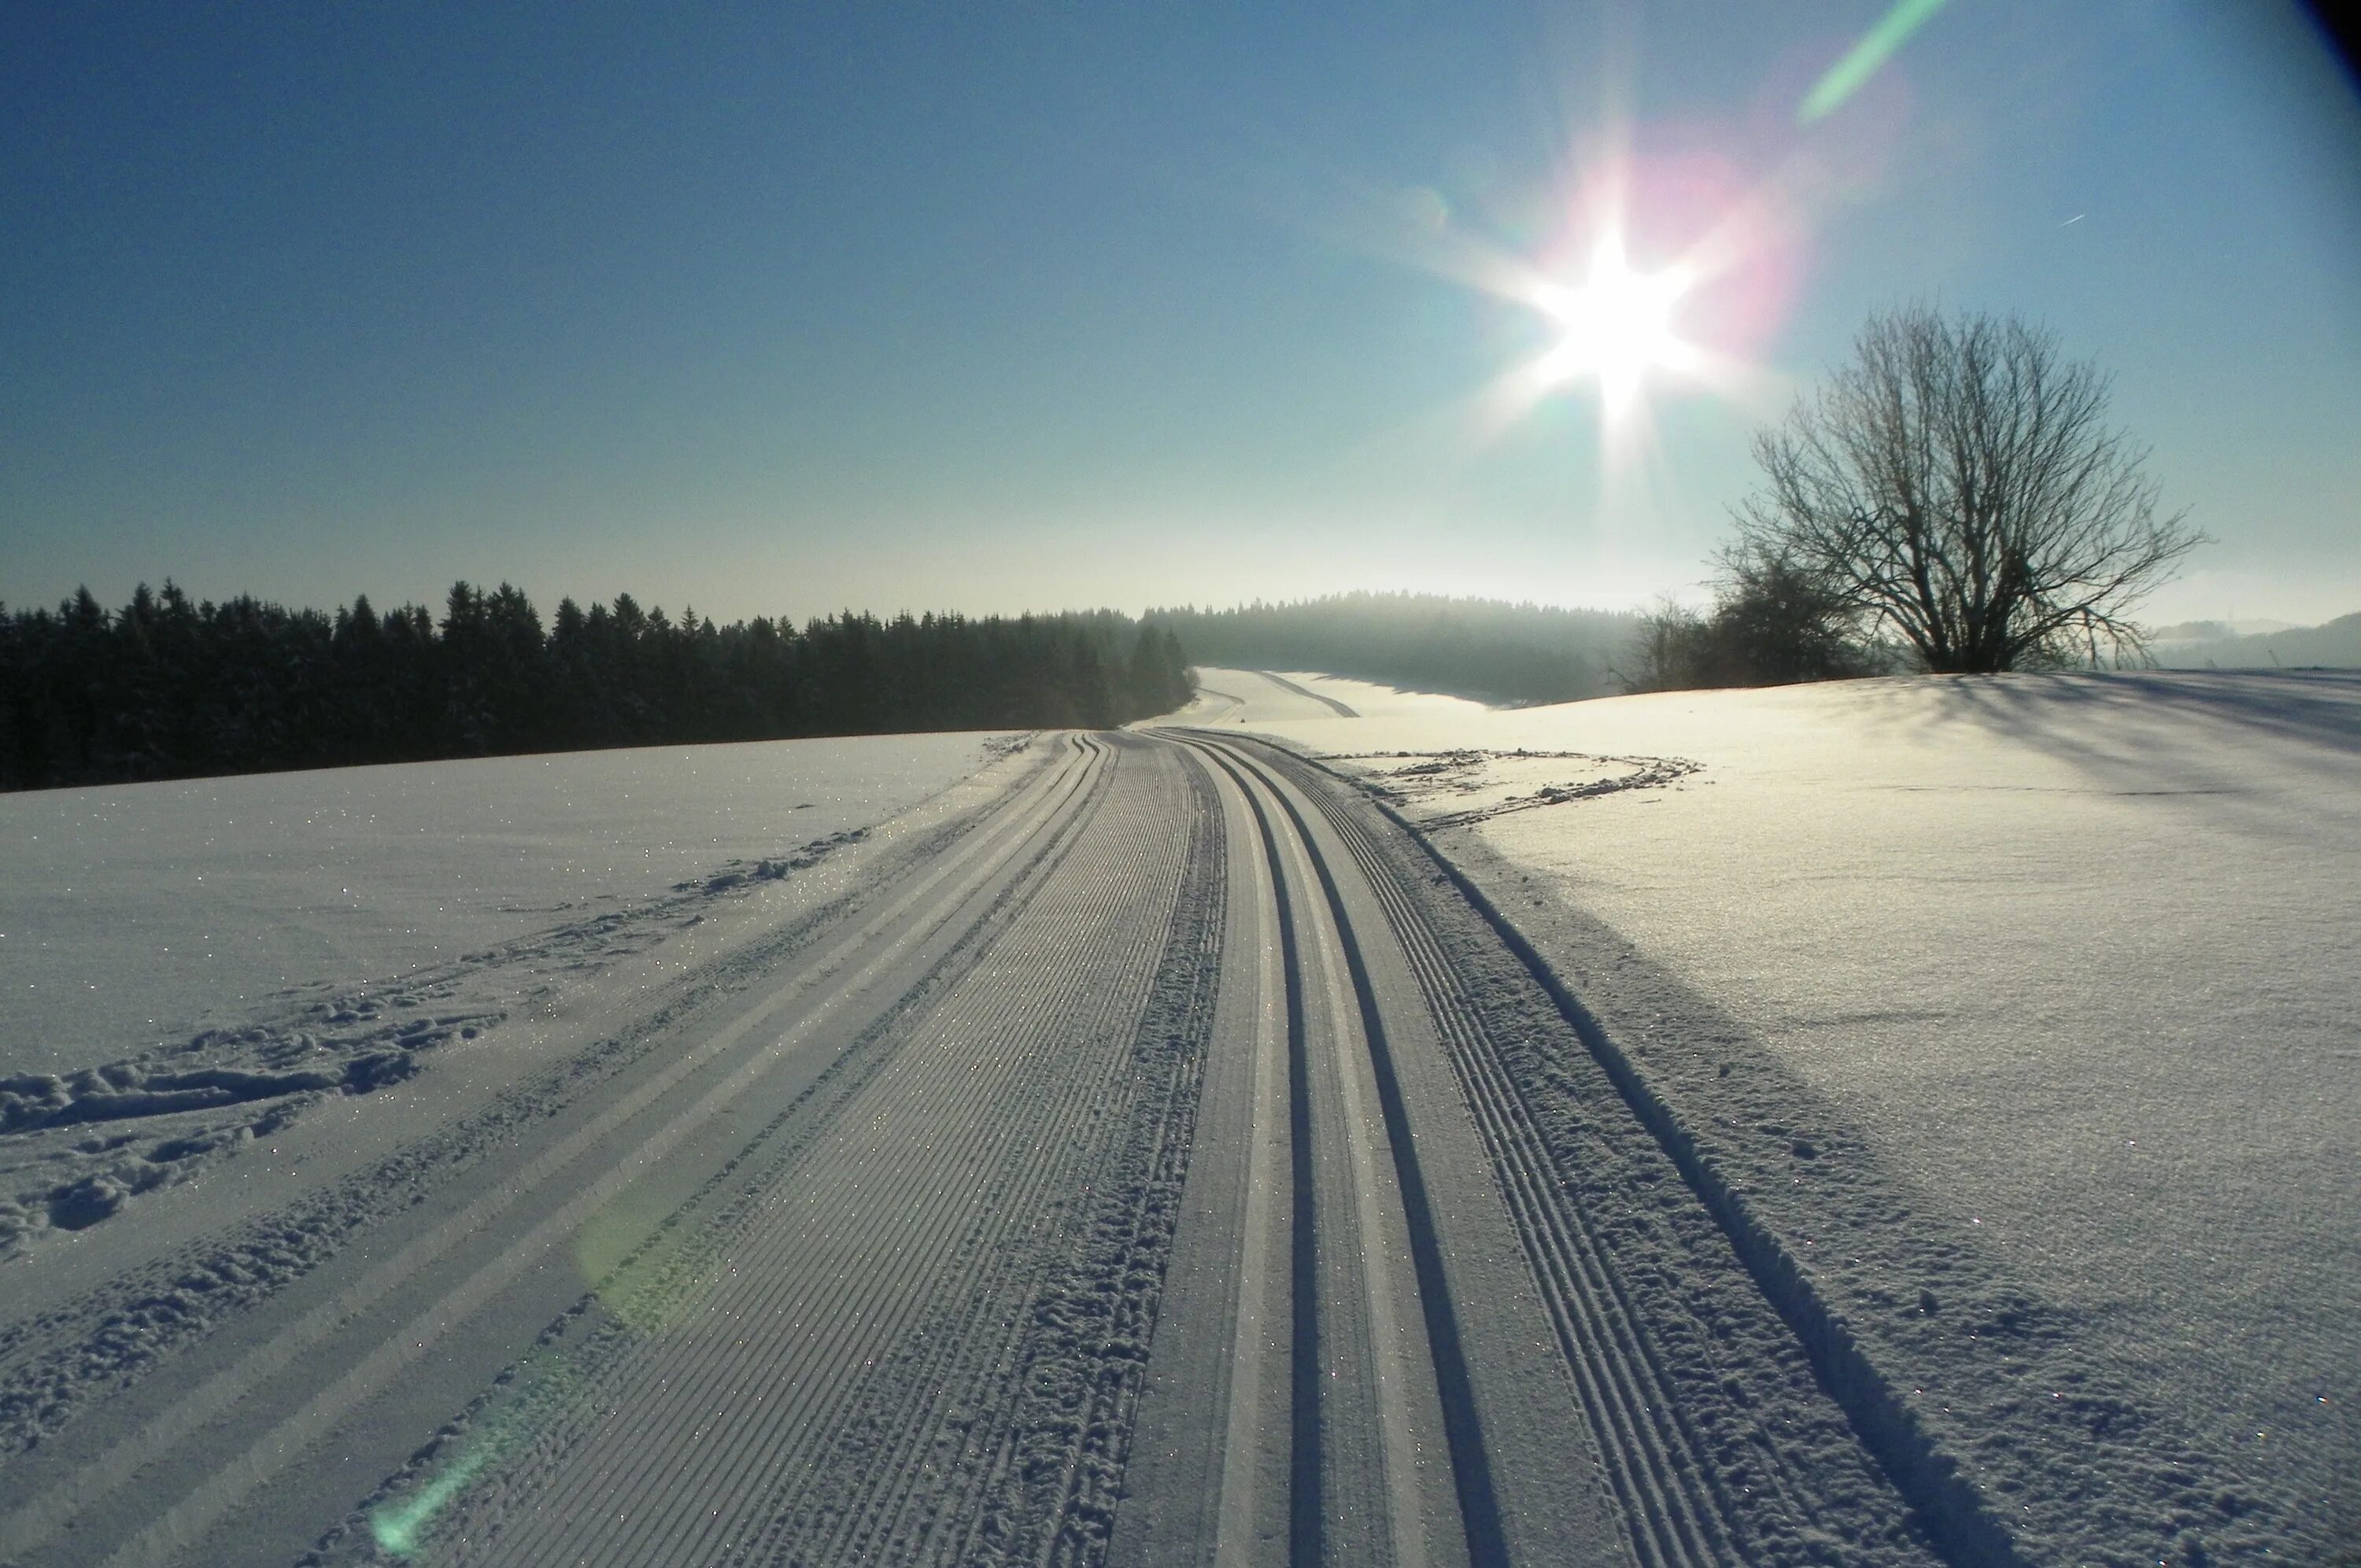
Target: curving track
[[1161, 1161]]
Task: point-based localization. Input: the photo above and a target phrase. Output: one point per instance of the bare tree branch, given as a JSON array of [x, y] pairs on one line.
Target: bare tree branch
[[1955, 485]]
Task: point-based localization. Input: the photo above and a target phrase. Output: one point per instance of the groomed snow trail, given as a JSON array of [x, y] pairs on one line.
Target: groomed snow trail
[[1579, 1365], [1158, 1160], [226, 1449]]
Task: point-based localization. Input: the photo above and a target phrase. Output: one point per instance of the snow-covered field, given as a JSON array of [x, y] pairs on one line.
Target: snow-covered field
[[2064, 970], [1903, 1123], [129, 914], [185, 962]]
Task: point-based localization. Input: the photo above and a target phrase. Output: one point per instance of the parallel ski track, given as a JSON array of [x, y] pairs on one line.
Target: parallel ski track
[[1315, 1313], [1283, 684], [1678, 1517], [570, 1447], [877, 1442], [907, 918], [1678, 1505]]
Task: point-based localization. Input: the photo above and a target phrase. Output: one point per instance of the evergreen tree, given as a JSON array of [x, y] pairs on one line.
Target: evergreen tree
[[166, 688]]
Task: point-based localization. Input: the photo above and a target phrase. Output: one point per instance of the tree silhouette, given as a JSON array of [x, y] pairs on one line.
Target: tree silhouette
[[1955, 485], [164, 689]]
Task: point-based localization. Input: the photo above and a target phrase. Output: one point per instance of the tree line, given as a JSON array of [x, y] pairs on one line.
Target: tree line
[[166, 688], [1488, 648]]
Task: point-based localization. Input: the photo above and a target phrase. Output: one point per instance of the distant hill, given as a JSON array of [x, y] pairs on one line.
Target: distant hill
[[2219, 630], [2202, 645], [1483, 648]]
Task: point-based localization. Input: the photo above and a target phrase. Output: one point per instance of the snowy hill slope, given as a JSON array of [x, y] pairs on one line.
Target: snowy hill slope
[[2027, 1009], [190, 965]]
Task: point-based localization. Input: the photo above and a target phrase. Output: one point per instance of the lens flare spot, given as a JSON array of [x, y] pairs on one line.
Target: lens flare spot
[[396, 1528], [1860, 64]]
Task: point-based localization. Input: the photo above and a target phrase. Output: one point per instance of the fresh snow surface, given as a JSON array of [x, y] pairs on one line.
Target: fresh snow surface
[[130, 913], [2067, 968], [189, 964]]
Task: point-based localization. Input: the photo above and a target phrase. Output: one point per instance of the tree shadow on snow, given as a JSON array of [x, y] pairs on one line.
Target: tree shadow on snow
[[2246, 735]]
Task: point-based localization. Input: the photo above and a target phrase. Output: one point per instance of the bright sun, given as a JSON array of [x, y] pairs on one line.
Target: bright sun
[[1618, 326]]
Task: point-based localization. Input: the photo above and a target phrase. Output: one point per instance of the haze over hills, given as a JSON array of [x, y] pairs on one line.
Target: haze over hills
[[1522, 653], [1474, 647], [2211, 644]]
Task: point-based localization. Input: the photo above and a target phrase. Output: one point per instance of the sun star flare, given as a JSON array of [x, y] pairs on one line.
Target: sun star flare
[[1618, 326]]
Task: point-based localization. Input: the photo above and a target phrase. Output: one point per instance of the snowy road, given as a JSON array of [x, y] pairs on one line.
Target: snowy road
[[1152, 1154]]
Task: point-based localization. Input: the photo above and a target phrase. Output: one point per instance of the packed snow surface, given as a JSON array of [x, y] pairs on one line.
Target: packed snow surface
[[130, 913], [2078, 957]]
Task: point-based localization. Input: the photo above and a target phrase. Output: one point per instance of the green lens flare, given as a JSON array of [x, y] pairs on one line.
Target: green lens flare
[[640, 1294], [396, 1529], [1861, 62]]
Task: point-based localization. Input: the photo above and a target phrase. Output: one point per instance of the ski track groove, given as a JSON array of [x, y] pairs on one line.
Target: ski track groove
[[1357, 1293], [857, 1513], [1651, 1457], [549, 1439], [1306, 1511], [674, 1404], [1023, 1190], [1330, 703], [906, 1181], [1663, 1471], [693, 1259], [767, 1304], [1042, 1177], [1081, 980], [1121, 1245]]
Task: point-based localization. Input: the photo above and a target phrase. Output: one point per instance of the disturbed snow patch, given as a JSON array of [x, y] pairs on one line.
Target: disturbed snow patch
[[1451, 789], [75, 1147]]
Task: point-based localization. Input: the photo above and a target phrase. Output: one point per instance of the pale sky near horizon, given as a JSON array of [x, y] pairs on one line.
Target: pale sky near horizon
[[787, 309]]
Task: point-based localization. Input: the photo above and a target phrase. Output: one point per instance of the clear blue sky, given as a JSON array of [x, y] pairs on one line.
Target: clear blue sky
[[772, 308]]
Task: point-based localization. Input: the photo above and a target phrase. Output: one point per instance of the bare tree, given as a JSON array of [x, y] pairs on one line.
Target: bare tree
[[1956, 485]]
